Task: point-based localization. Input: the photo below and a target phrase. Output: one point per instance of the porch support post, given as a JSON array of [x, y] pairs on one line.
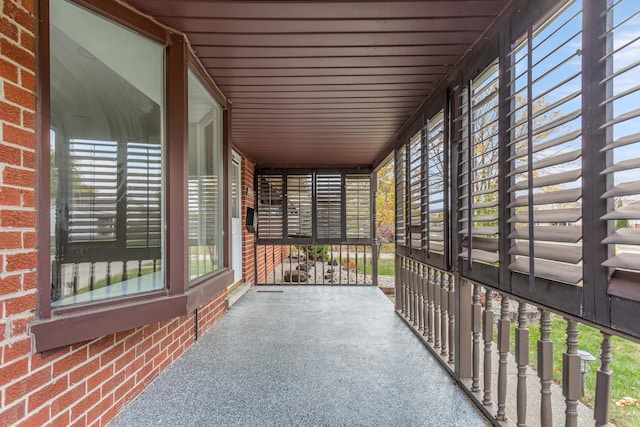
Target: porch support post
[[463, 328]]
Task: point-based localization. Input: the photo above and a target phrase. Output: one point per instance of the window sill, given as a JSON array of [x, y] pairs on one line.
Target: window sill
[[79, 325]]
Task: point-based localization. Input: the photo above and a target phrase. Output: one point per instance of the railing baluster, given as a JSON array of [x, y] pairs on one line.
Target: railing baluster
[[340, 274], [603, 382], [357, 278], [348, 265], [503, 351], [545, 368], [475, 330], [418, 297], [444, 306], [425, 300], [402, 287], [437, 295], [76, 278], [431, 304], [108, 273], [571, 380], [452, 318], [92, 275], [522, 360], [125, 272], [487, 329], [412, 293], [407, 289], [139, 268]]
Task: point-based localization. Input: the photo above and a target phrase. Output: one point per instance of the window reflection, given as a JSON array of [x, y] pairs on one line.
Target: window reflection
[[205, 182], [107, 109]]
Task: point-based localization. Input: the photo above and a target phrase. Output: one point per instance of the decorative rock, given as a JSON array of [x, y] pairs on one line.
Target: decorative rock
[[295, 276], [333, 262]]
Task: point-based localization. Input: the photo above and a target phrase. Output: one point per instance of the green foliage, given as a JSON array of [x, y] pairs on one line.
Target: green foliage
[[386, 267], [622, 223], [315, 252]]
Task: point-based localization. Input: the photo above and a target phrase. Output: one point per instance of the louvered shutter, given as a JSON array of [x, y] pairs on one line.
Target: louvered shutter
[[478, 169], [299, 205], [435, 184], [415, 190], [623, 144], [545, 149], [328, 205], [401, 191], [144, 195], [91, 173], [358, 206], [270, 207]]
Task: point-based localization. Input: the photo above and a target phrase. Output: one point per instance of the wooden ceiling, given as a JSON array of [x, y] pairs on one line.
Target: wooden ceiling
[[324, 83]]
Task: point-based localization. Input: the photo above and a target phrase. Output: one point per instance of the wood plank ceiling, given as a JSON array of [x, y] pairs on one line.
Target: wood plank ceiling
[[324, 83]]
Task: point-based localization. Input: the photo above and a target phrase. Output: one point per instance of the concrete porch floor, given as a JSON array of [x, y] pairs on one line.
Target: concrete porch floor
[[305, 356]]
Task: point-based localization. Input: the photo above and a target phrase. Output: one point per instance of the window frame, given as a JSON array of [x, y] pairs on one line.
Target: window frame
[[59, 327]]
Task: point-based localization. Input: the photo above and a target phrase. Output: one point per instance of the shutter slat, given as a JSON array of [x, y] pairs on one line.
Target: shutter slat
[[549, 233], [550, 215], [630, 211], [627, 261], [547, 180], [547, 144], [625, 189], [553, 252], [622, 166], [625, 236], [551, 270], [482, 243], [480, 231], [547, 162], [562, 196], [482, 256]]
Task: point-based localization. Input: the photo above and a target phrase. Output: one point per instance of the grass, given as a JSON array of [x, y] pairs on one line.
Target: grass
[[626, 372], [386, 267]]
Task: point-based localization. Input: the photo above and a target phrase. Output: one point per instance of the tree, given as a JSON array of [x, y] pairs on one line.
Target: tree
[[385, 203]]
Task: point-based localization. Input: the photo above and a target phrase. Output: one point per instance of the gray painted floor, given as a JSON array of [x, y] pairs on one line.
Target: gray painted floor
[[305, 356]]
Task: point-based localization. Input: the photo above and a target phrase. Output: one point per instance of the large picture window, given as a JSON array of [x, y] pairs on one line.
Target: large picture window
[[205, 181], [107, 141]]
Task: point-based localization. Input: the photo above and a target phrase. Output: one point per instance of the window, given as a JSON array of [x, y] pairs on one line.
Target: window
[[107, 145], [205, 181], [126, 175]]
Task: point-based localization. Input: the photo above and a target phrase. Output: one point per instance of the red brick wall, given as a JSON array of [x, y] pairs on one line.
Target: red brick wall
[[248, 267], [90, 382], [268, 258]]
